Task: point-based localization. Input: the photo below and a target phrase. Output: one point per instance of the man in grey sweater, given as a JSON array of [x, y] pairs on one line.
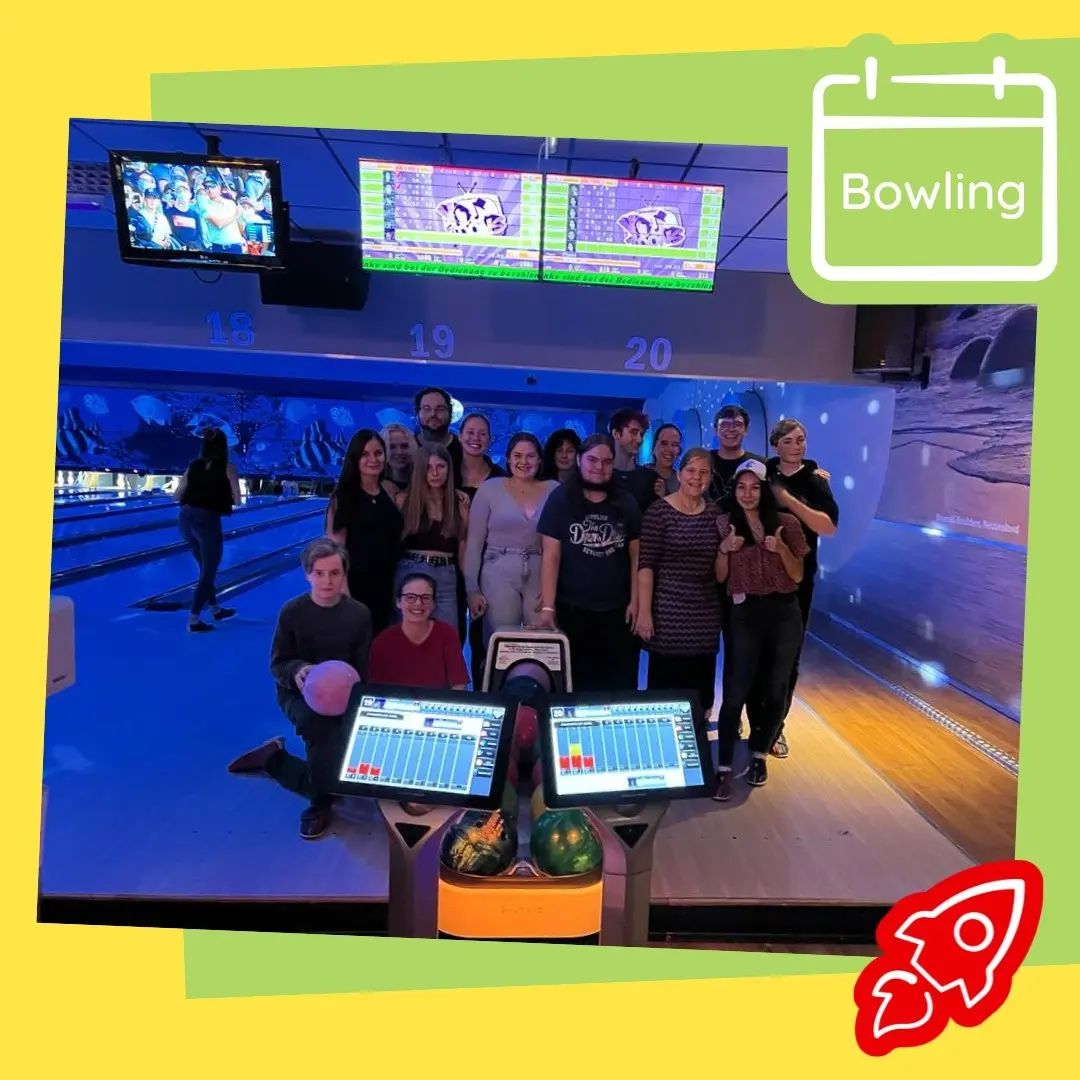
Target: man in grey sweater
[[323, 624]]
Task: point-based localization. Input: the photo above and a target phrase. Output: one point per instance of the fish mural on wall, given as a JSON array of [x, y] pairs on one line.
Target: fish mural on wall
[[138, 429]]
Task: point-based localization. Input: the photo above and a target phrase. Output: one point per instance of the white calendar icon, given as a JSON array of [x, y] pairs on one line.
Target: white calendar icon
[[998, 84]]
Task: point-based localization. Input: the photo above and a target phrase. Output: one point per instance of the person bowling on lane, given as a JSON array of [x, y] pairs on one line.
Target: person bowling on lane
[[761, 560], [322, 624]]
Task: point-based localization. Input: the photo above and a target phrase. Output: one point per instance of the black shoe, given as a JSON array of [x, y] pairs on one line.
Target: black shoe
[[223, 613], [722, 791], [314, 821], [256, 760], [758, 773], [780, 747], [199, 627]]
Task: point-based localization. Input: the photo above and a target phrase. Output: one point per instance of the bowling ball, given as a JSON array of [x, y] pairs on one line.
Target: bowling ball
[[481, 843], [328, 686], [525, 728], [564, 843]]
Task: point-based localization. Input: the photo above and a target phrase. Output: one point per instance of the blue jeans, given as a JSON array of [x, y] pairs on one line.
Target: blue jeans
[[202, 531]]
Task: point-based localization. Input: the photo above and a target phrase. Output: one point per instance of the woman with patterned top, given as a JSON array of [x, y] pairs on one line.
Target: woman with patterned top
[[761, 560], [678, 594]]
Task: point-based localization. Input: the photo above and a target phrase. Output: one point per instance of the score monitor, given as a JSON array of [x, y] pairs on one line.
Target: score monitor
[[644, 233], [444, 219], [445, 747], [599, 749]]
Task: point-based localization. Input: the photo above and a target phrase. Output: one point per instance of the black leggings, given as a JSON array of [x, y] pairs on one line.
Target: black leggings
[[696, 673], [603, 653], [763, 639]]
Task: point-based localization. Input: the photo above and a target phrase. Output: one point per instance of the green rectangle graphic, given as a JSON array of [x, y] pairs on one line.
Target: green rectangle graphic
[[933, 196]]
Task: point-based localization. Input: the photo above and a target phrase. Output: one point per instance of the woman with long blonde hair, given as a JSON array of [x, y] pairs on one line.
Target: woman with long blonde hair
[[436, 519], [401, 447]]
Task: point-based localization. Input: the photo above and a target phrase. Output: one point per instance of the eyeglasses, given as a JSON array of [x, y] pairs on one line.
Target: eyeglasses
[[732, 423], [428, 410], [417, 598]]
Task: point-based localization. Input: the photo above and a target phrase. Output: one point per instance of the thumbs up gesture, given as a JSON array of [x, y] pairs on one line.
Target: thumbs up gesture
[[774, 542], [732, 542]]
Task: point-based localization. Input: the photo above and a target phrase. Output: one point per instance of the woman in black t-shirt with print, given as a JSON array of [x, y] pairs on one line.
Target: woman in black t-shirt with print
[[590, 531], [208, 490]]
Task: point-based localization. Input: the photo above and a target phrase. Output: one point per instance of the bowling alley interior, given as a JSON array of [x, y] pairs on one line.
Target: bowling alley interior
[[273, 292]]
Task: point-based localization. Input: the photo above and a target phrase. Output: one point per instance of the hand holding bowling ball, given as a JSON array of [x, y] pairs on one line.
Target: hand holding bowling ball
[[327, 686]]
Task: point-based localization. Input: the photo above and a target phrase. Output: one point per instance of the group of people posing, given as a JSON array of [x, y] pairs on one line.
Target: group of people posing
[[430, 544]]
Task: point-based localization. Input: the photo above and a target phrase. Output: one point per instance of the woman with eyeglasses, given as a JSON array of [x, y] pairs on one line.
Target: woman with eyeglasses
[[678, 590], [363, 519], [589, 529], [435, 516], [502, 553], [761, 561], [421, 650]]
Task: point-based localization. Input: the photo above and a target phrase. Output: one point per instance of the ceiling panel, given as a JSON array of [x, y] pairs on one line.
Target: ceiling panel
[[396, 138], [124, 136], [768, 256], [649, 171], [352, 152], [743, 157], [775, 224], [661, 153], [500, 144]]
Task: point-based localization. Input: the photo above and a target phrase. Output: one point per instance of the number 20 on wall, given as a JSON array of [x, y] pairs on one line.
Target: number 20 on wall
[[658, 351]]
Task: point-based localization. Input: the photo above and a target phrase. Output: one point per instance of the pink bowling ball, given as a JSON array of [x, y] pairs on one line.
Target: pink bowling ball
[[328, 686]]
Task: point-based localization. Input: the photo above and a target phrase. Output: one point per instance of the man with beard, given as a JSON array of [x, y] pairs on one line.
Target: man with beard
[[433, 412]]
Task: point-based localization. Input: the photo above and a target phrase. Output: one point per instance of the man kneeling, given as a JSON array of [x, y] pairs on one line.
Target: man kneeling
[[323, 624]]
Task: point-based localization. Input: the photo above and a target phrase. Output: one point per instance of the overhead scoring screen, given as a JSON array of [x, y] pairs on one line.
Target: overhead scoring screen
[[442, 748], [440, 219], [604, 231], [632, 748]]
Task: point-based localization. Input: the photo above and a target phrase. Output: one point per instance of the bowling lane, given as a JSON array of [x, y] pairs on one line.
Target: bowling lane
[[98, 500], [95, 549], [115, 759], [91, 525], [115, 591]]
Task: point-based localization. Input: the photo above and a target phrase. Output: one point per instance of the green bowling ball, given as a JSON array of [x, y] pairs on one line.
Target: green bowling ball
[[563, 843], [482, 843]]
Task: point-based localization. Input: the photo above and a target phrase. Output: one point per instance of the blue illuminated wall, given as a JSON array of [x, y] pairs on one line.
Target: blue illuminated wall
[[151, 428], [930, 561]]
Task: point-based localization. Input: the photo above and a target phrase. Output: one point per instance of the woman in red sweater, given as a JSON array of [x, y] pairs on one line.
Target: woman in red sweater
[[420, 651]]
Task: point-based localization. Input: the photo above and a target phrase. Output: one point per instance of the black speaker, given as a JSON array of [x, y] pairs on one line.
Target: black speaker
[[885, 340], [317, 276]]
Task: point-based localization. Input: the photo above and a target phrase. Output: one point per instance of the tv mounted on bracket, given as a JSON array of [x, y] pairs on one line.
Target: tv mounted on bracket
[[198, 210]]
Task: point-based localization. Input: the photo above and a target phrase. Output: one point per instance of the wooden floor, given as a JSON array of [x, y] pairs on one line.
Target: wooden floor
[[968, 797], [826, 828]]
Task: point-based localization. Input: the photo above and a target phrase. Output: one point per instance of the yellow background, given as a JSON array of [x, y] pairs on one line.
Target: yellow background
[[112, 1000]]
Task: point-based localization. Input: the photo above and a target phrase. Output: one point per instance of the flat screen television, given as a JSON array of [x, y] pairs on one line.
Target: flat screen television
[[198, 210], [443, 219], [644, 233]]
